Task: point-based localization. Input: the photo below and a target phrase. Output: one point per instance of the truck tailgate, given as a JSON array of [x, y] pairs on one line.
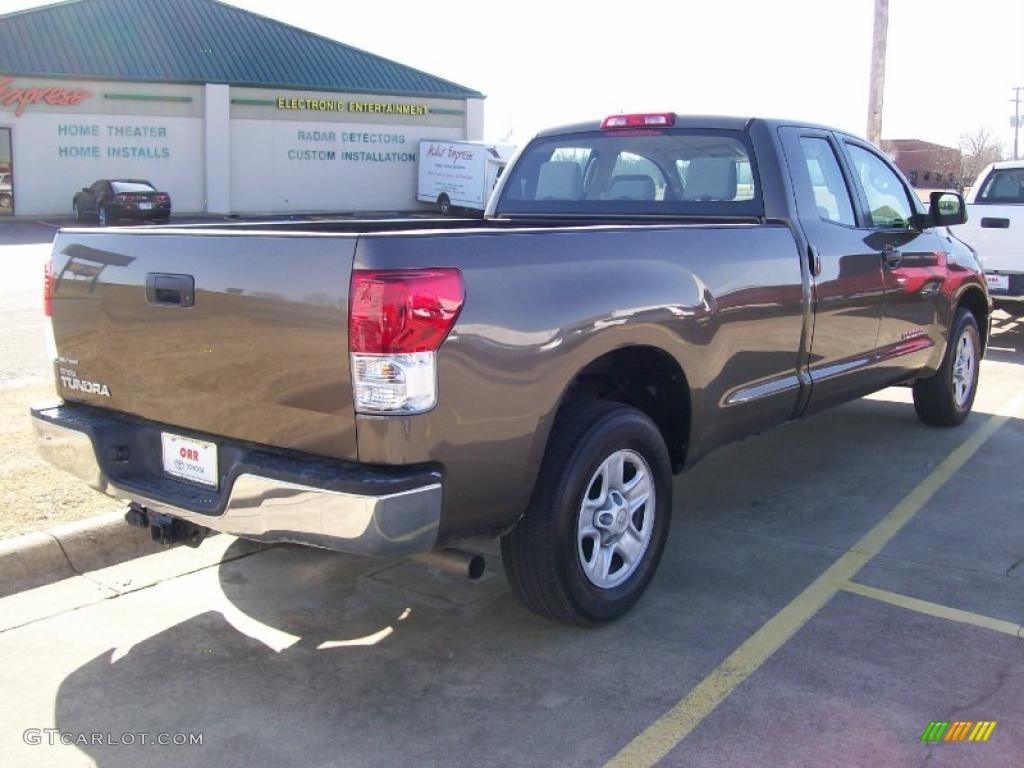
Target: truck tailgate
[[260, 355]]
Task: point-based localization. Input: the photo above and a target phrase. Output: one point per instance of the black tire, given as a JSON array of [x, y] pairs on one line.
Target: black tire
[[542, 555], [444, 205], [5, 200], [939, 400], [102, 217], [77, 213]]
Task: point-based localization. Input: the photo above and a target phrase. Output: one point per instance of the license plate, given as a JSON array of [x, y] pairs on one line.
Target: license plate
[[145, 206], [190, 459], [998, 282]]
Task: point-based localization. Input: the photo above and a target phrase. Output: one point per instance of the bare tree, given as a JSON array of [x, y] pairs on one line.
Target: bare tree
[[978, 148]]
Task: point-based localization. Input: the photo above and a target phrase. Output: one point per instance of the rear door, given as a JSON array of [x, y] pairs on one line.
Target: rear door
[[239, 336], [913, 264], [848, 286]]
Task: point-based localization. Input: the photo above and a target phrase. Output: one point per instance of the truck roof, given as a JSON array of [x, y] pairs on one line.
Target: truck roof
[[714, 122], [1006, 164]]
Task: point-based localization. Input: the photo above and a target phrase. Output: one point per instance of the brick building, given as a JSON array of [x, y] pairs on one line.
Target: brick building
[[926, 165]]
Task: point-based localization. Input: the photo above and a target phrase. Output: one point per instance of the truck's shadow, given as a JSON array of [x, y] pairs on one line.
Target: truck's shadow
[[385, 673], [1007, 343]]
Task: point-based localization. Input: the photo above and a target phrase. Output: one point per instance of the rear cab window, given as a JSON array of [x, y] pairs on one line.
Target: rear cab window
[[644, 172], [1002, 186]]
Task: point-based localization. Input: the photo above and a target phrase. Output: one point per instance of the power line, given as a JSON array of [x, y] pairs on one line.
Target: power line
[[1016, 118]]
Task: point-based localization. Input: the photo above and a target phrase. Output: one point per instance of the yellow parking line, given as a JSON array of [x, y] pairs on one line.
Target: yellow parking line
[[658, 739], [933, 609]]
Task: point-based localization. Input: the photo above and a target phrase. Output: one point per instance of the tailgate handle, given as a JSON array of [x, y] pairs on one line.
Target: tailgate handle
[[170, 290], [989, 223]]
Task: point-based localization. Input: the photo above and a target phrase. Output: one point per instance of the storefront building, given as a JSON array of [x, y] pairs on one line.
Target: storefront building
[[227, 111]]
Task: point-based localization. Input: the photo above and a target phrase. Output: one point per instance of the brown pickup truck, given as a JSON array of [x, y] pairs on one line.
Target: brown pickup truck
[[641, 290]]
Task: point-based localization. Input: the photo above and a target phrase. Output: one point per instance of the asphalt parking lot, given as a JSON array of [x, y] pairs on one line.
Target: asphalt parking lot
[[828, 590]]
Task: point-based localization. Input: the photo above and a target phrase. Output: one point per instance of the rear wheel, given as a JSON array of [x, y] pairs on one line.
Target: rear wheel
[[591, 540], [5, 200], [946, 399]]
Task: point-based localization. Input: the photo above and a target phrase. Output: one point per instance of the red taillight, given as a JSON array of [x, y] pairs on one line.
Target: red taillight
[[403, 310], [648, 120], [48, 289], [123, 198], [161, 198]]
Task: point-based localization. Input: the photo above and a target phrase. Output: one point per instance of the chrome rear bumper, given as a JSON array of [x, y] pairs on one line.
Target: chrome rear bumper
[[251, 505]]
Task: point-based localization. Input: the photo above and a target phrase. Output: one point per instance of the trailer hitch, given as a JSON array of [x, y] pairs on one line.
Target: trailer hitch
[[163, 528]]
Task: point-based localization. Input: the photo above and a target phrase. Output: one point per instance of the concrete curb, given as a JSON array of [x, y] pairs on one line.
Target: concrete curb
[[70, 549]]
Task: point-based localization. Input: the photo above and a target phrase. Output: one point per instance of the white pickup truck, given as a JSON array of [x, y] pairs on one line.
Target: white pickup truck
[[995, 230]]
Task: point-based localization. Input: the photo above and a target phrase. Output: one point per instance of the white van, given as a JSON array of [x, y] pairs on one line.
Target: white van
[[459, 174]]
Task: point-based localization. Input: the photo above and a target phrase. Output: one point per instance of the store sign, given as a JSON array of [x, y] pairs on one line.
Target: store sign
[[356, 107], [20, 98]]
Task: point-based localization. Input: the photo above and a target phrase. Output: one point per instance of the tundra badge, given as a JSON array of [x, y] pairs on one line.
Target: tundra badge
[[69, 379]]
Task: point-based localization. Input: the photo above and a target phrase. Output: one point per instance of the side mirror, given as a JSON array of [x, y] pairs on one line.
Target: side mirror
[[85, 189], [947, 209]]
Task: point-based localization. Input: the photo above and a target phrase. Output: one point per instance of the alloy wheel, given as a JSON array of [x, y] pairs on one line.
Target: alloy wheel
[[616, 519]]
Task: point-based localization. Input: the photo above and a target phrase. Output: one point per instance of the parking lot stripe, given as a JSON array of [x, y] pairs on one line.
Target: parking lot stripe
[[664, 734], [934, 609]]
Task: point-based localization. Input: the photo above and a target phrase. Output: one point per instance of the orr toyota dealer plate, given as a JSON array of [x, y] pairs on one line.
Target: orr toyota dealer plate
[[190, 459], [998, 282]]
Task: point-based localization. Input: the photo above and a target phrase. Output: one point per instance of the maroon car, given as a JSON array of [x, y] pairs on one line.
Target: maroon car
[[109, 200]]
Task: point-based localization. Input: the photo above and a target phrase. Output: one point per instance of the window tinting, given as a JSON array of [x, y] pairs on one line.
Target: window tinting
[[130, 186], [643, 172], [831, 196], [1005, 185], [887, 198]]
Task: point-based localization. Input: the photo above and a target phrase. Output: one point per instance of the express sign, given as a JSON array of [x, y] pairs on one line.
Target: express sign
[[20, 98]]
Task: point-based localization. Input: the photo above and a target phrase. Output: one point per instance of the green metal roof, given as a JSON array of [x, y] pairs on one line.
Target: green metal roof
[[197, 41]]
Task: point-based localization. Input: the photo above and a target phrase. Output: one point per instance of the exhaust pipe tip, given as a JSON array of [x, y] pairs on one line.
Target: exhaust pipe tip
[[476, 567], [470, 565]]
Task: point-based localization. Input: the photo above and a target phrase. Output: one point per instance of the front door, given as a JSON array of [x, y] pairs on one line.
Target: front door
[[6, 174], [913, 265], [848, 285]]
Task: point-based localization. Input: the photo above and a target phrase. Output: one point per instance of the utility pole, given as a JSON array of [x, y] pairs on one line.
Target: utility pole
[[876, 86], [1016, 119]]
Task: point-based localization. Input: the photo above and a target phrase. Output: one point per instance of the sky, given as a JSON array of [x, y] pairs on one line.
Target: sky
[[951, 64]]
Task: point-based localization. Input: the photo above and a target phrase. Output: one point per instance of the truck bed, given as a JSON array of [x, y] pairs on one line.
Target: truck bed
[[262, 353]]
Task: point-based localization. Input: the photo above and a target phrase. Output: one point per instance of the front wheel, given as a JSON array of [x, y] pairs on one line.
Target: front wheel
[[444, 205], [103, 217], [590, 541], [946, 399]]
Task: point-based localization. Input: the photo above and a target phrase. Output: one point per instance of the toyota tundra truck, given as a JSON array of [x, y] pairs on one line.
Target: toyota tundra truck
[[643, 289], [995, 230]]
